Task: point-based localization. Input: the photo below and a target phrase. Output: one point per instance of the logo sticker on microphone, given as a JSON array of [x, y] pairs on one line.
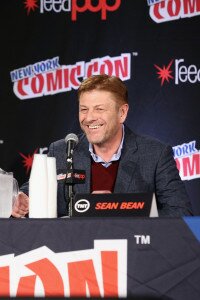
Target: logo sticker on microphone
[[82, 205]]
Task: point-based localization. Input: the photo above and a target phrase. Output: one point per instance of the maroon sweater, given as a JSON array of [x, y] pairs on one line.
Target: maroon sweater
[[103, 178]]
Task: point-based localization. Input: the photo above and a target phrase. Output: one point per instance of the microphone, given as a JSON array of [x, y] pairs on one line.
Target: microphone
[[72, 176], [71, 141]]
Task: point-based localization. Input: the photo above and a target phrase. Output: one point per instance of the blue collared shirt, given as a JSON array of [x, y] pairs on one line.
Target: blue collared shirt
[[115, 156]]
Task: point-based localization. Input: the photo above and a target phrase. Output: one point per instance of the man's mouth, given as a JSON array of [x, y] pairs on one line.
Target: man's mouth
[[94, 126]]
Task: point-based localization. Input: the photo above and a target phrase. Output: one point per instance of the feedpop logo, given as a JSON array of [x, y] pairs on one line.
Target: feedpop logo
[[82, 205], [164, 73], [30, 5], [74, 7], [182, 72]]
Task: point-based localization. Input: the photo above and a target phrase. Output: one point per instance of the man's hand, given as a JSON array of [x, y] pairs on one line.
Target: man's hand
[[20, 205], [101, 192]]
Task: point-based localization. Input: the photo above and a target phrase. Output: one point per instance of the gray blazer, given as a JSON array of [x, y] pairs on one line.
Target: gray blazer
[[146, 165]]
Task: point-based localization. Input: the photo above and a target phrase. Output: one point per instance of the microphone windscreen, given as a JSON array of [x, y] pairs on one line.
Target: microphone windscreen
[[71, 137]]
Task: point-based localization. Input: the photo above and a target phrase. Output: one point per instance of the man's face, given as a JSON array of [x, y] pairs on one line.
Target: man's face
[[100, 117]]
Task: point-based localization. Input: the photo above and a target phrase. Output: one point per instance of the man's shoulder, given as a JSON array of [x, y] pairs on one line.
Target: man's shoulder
[[144, 141], [58, 143], [150, 140]]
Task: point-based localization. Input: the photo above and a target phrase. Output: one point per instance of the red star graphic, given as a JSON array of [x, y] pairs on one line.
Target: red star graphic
[[164, 72], [28, 160], [30, 5]]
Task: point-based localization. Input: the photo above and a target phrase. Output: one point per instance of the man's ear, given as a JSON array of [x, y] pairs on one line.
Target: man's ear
[[123, 111]]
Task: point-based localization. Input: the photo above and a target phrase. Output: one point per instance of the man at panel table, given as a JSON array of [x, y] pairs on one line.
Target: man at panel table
[[116, 159]]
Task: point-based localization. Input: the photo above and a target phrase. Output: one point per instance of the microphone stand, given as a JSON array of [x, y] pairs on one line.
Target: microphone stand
[[73, 176], [69, 187], [71, 195]]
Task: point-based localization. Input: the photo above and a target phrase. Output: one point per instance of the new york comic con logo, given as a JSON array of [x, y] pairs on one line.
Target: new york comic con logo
[[74, 7], [99, 272], [179, 71], [187, 159], [49, 77], [170, 10]]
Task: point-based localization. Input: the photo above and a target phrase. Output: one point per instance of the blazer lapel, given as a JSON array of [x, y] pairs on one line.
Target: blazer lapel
[[127, 164]]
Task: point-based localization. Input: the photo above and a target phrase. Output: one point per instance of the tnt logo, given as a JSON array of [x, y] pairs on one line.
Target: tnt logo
[[82, 205]]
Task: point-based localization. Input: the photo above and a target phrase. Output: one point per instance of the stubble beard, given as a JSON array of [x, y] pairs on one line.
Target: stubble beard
[[101, 140]]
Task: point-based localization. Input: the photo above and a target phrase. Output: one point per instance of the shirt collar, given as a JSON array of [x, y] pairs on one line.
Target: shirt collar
[[115, 157]]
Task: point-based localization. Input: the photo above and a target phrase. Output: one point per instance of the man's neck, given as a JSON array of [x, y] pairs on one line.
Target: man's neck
[[107, 150]]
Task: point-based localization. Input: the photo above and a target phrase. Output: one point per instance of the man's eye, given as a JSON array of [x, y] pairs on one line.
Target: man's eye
[[83, 110], [99, 109]]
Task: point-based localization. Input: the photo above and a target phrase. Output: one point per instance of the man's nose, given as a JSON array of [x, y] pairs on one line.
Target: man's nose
[[91, 116]]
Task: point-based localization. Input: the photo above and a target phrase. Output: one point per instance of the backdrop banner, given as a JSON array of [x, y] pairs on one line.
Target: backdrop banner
[[49, 46]]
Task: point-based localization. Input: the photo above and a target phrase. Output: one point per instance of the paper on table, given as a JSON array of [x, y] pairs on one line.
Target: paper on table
[[38, 187], [52, 187], [6, 194]]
